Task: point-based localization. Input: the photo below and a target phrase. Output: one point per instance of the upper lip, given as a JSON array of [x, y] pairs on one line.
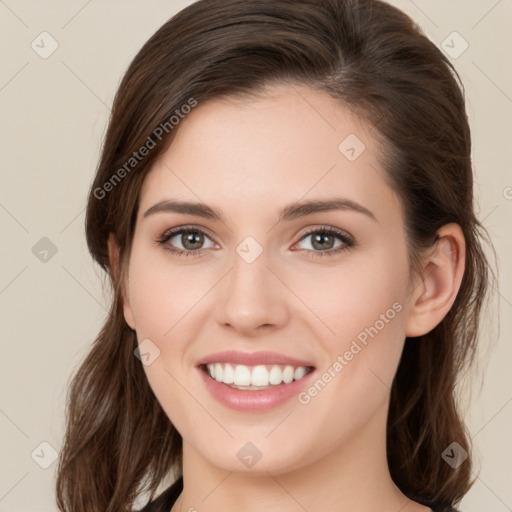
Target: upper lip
[[252, 358]]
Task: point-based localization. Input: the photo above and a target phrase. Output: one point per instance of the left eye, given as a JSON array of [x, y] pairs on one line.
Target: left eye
[[323, 241]]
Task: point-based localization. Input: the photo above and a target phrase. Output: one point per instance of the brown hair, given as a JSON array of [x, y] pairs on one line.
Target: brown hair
[[373, 59]]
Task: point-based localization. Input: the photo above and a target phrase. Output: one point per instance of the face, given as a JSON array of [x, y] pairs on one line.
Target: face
[[296, 258]]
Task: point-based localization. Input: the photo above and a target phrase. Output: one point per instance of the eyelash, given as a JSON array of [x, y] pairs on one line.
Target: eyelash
[[348, 242]]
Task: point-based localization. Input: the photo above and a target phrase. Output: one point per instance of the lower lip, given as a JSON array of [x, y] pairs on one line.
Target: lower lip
[[253, 401]]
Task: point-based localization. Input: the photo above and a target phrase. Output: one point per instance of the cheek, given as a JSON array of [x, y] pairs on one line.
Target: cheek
[[162, 299], [364, 307], [355, 379], [361, 298], [161, 294]]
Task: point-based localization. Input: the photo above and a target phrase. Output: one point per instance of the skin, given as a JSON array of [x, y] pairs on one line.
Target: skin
[[247, 159]]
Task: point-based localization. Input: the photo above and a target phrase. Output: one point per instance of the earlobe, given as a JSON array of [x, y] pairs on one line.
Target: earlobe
[[128, 315], [441, 278], [113, 254]]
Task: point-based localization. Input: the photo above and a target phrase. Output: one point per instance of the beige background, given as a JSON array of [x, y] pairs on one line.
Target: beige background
[[53, 114]]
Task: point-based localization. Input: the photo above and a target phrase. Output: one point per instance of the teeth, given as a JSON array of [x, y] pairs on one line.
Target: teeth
[[299, 373], [228, 376], [253, 377], [259, 376], [242, 376]]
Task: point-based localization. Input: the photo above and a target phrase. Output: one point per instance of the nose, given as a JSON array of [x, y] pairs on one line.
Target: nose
[[252, 298]]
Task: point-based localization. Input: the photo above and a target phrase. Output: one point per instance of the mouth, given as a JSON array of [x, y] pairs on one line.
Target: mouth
[[255, 377]]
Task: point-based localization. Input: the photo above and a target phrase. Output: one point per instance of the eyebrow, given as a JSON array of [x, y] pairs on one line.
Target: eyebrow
[[289, 212]]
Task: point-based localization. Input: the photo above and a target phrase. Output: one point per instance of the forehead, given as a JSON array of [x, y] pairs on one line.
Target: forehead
[[289, 143]]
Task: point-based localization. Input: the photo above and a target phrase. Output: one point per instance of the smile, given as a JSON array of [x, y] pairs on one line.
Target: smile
[[254, 382], [258, 377]]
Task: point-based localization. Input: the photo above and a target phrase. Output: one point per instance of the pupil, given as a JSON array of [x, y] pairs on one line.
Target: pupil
[[194, 238], [320, 239]]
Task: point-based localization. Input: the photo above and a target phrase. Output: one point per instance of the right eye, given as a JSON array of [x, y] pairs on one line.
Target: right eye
[[189, 238]]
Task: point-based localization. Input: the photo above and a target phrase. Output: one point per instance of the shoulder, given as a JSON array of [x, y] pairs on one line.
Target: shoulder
[[166, 500]]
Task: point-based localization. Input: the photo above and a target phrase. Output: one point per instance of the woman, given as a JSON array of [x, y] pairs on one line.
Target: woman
[[284, 206]]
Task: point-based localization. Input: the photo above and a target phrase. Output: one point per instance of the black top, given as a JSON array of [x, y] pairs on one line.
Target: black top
[[166, 500]]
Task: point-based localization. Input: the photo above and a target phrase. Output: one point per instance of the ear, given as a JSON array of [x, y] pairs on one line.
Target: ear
[[113, 255], [440, 280]]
